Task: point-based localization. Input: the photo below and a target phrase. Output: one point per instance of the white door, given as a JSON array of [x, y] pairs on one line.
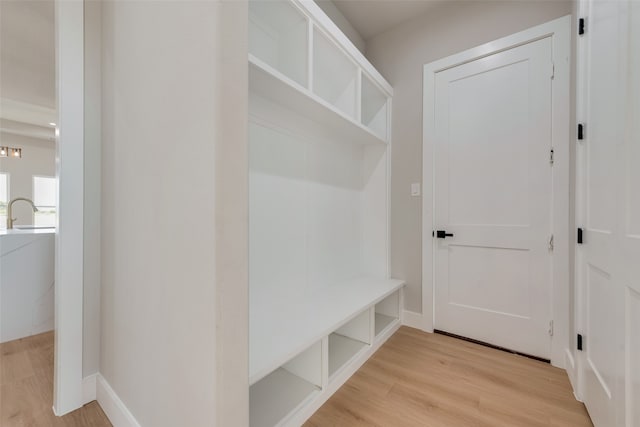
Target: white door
[[609, 258], [493, 193]]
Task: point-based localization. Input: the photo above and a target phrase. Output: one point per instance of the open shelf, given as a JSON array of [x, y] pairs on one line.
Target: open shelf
[[269, 84], [279, 330], [374, 108], [383, 321], [274, 87], [346, 342], [276, 396], [387, 312], [341, 350], [334, 75], [283, 391], [278, 34]]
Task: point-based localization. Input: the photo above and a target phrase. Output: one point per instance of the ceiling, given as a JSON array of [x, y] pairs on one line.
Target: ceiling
[[373, 17]]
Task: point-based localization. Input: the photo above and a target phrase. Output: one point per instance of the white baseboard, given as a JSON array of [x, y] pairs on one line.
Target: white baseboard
[[112, 406], [89, 389], [572, 372], [414, 320]]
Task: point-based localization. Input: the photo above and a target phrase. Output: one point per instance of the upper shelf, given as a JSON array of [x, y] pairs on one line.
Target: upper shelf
[[274, 86], [299, 59]]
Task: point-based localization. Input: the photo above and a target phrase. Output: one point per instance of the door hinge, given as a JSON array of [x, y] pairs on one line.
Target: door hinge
[[581, 26], [580, 236], [580, 131], [551, 243], [551, 157], [553, 70], [579, 342], [551, 328]]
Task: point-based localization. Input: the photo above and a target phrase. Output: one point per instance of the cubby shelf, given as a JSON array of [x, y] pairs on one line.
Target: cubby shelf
[[276, 396], [386, 313], [320, 302], [279, 329], [374, 109], [382, 322], [341, 350], [278, 36], [270, 84]]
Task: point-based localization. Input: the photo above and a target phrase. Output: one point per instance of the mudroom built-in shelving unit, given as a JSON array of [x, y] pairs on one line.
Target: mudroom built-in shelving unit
[[321, 298]]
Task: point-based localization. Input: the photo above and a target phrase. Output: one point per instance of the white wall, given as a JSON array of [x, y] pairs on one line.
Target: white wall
[[38, 158], [27, 52], [173, 300], [339, 19], [399, 54]]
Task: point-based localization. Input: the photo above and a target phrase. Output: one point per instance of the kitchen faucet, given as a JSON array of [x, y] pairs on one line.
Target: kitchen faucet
[[9, 209]]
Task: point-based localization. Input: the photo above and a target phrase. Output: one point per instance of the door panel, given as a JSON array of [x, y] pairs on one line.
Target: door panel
[[611, 251], [478, 137], [599, 324], [499, 278], [493, 192], [604, 311]]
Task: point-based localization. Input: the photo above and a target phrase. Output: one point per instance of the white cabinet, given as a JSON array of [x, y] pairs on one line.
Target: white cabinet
[[321, 299], [26, 283]]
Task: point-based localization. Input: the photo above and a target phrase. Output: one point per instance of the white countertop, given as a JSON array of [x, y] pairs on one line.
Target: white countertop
[[48, 230]]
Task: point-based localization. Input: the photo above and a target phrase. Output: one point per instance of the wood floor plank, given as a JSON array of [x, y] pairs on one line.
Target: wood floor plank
[[26, 387], [430, 380]]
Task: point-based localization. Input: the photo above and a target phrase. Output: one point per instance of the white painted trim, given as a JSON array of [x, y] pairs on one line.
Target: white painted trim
[[559, 30], [23, 112], [414, 320], [561, 138], [92, 186], [112, 405], [89, 385], [68, 378], [583, 9]]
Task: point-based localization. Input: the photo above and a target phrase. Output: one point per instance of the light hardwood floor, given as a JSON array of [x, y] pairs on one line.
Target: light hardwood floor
[[420, 379], [26, 388], [415, 379]]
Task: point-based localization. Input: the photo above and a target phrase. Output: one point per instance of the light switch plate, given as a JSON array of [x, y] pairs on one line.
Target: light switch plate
[[415, 189]]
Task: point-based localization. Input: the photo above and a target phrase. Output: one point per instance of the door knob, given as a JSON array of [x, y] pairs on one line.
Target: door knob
[[441, 234]]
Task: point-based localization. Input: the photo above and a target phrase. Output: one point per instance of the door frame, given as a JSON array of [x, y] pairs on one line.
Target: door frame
[[560, 32], [69, 239]]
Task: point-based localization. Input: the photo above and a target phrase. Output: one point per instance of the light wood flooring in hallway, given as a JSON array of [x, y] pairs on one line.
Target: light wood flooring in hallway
[[430, 380], [26, 388], [415, 379]]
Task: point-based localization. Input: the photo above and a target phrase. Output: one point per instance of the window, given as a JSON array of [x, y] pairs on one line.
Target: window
[[4, 199], [44, 197]]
